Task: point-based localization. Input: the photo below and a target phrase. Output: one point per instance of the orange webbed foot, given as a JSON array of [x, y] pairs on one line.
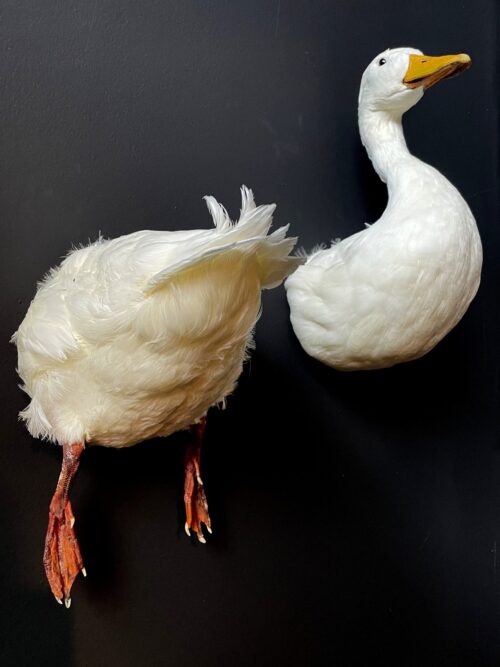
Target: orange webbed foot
[[62, 558], [195, 499]]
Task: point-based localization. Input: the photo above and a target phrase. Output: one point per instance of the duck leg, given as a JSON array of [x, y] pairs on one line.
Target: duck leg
[[62, 558], [195, 499]]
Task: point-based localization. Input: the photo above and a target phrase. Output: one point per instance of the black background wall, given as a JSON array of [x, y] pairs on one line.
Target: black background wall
[[356, 516]]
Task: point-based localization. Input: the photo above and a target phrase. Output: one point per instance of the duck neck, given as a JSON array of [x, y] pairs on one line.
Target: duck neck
[[382, 136]]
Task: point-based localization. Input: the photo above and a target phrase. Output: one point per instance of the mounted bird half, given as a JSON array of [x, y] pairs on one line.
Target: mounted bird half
[[137, 337], [391, 292]]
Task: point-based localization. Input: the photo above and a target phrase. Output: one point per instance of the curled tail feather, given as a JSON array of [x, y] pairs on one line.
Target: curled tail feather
[[250, 235]]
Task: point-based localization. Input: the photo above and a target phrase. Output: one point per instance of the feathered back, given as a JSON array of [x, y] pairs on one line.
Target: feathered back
[[138, 336]]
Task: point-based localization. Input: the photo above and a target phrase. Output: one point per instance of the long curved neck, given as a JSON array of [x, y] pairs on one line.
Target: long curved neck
[[382, 136]]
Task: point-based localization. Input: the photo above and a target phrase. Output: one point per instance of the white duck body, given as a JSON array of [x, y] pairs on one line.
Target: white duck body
[[139, 336], [392, 291]]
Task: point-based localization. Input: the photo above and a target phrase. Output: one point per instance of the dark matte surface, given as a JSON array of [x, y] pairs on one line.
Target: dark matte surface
[[356, 517]]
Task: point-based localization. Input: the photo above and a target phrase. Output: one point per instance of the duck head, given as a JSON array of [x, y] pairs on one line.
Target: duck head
[[396, 79]]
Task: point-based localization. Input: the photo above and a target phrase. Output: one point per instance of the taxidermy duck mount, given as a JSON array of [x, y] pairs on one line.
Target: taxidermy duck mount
[[391, 292], [137, 337]]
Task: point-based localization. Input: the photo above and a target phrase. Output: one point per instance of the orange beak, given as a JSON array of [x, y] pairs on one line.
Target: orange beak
[[427, 70]]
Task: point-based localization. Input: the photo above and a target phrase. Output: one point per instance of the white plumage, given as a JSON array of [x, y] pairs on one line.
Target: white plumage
[[390, 292], [138, 336]]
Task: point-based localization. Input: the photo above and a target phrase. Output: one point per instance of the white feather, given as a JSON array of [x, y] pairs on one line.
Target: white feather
[[139, 336], [392, 291]]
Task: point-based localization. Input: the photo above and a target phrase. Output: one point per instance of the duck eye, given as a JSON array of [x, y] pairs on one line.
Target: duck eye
[[382, 61]]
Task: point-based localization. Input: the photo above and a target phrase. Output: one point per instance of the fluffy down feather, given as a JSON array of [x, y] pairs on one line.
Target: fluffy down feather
[[139, 336]]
